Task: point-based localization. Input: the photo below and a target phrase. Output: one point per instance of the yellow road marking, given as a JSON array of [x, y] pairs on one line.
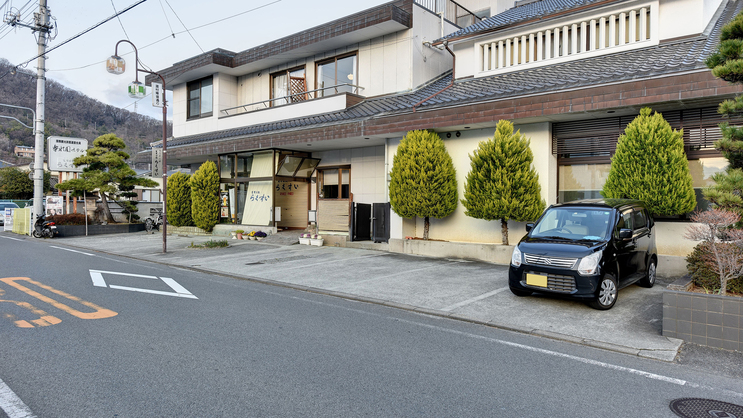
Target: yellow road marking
[[99, 312], [44, 318]]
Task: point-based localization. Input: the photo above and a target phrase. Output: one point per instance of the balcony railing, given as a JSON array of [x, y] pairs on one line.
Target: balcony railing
[[453, 11], [292, 98]]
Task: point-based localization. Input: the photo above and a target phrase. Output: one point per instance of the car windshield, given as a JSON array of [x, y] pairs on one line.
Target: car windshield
[[591, 224], [8, 205]]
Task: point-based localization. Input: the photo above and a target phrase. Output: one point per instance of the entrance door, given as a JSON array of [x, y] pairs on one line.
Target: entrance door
[[362, 222], [380, 222]]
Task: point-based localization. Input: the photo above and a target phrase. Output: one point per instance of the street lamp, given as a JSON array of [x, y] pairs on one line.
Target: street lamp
[[116, 65]]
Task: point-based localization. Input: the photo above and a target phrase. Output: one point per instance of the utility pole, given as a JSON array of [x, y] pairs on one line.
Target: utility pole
[[42, 27]]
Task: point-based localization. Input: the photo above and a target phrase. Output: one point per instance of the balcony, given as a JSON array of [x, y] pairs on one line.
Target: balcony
[[453, 11]]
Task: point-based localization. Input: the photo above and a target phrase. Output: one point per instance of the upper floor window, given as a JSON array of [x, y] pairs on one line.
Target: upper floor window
[[288, 86], [200, 98], [337, 75]]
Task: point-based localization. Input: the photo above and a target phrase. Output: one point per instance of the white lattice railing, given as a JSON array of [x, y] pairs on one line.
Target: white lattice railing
[[627, 29]]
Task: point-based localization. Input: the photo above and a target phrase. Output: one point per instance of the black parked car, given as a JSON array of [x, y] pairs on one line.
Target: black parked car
[[588, 250]]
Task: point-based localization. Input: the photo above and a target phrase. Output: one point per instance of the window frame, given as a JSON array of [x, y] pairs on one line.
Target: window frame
[[321, 181], [189, 86], [286, 73], [335, 59]]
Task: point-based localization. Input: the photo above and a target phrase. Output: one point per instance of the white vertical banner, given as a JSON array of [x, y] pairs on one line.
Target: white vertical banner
[[258, 203], [158, 95], [157, 162]]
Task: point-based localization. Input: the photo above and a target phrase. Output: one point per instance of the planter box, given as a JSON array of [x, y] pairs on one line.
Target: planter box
[[304, 241], [711, 320], [78, 230], [316, 242]]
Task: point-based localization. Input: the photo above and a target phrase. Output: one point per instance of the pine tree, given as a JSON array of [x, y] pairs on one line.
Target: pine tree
[[725, 63], [502, 183], [179, 199], [205, 196], [423, 180], [650, 165], [107, 171]]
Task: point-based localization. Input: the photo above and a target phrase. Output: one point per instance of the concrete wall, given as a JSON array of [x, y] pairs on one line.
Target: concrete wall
[[428, 62]]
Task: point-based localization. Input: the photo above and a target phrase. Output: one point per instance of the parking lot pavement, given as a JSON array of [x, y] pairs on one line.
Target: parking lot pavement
[[468, 290]]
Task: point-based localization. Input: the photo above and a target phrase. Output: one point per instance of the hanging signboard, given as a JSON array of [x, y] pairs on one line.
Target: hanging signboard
[[63, 151], [157, 162], [158, 95]]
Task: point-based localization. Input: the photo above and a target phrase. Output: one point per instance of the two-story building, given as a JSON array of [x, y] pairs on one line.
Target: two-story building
[[310, 123]]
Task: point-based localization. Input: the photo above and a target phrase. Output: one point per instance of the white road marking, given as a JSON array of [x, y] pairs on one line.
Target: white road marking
[[181, 292], [654, 376], [473, 300], [12, 405], [72, 251], [14, 239]]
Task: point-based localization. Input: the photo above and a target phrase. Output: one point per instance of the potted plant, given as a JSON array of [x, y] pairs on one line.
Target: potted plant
[[259, 235], [234, 234], [305, 239], [239, 233], [316, 240], [251, 235]]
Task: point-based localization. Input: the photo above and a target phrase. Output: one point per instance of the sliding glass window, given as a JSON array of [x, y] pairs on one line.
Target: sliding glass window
[[337, 75]]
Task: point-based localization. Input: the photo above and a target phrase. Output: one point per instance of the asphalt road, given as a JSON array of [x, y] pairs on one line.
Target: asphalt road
[[127, 338]]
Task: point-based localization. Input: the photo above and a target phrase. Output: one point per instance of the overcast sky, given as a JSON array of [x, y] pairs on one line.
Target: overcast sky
[[80, 64]]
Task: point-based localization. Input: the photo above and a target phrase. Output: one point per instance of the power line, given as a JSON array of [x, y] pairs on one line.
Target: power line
[[184, 26], [117, 17], [80, 34], [166, 18]]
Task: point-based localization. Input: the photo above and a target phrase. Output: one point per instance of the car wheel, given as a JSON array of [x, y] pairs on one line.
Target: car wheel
[[649, 279], [520, 292], [607, 293]]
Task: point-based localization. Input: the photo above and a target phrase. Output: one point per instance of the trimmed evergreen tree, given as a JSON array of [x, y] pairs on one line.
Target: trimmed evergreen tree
[[725, 63], [423, 180], [205, 196], [502, 183], [107, 171], [650, 165], [179, 199]]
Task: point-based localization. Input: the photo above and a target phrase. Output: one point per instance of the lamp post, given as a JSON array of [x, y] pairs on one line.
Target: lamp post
[[116, 65]]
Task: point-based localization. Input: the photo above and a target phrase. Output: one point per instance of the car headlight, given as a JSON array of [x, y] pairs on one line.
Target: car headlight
[[516, 257], [589, 264]]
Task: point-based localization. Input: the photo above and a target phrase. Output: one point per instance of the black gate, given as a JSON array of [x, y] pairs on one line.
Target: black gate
[[381, 222], [361, 222]]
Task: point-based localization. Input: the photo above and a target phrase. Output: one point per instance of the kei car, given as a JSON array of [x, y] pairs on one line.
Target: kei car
[[3, 205], [586, 250]]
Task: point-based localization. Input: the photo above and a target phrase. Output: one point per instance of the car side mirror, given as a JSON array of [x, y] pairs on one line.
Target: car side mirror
[[625, 233], [529, 227]]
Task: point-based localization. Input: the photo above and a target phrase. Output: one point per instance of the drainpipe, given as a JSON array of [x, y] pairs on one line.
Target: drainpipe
[[453, 72]]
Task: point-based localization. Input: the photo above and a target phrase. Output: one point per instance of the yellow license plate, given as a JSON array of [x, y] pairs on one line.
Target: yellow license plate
[[536, 280]]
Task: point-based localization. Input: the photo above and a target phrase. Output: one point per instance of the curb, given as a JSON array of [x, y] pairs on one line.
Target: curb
[[643, 353]]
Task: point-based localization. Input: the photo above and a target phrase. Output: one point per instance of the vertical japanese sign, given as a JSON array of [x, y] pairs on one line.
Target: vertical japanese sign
[[225, 204], [63, 151], [8, 214], [158, 95], [157, 162]]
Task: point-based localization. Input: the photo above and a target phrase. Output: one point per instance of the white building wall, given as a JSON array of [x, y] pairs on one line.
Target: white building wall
[[685, 17], [428, 62], [367, 171]]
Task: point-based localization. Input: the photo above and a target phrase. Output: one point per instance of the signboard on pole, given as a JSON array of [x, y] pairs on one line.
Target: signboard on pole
[[8, 219], [158, 95], [157, 162], [54, 205], [62, 152]]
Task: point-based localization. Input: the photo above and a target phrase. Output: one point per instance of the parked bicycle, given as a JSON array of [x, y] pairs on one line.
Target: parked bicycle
[[153, 224]]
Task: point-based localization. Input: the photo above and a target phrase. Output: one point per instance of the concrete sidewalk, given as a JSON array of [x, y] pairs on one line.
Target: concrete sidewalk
[[465, 290]]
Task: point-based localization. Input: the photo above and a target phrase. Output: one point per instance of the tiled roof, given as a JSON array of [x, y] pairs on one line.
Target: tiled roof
[[665, 59], [523, 13]]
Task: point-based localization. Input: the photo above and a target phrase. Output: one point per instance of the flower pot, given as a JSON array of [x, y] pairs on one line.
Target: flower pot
[[239, 236], [252, 238], [259, 238], [304, 241], [316, 242]]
